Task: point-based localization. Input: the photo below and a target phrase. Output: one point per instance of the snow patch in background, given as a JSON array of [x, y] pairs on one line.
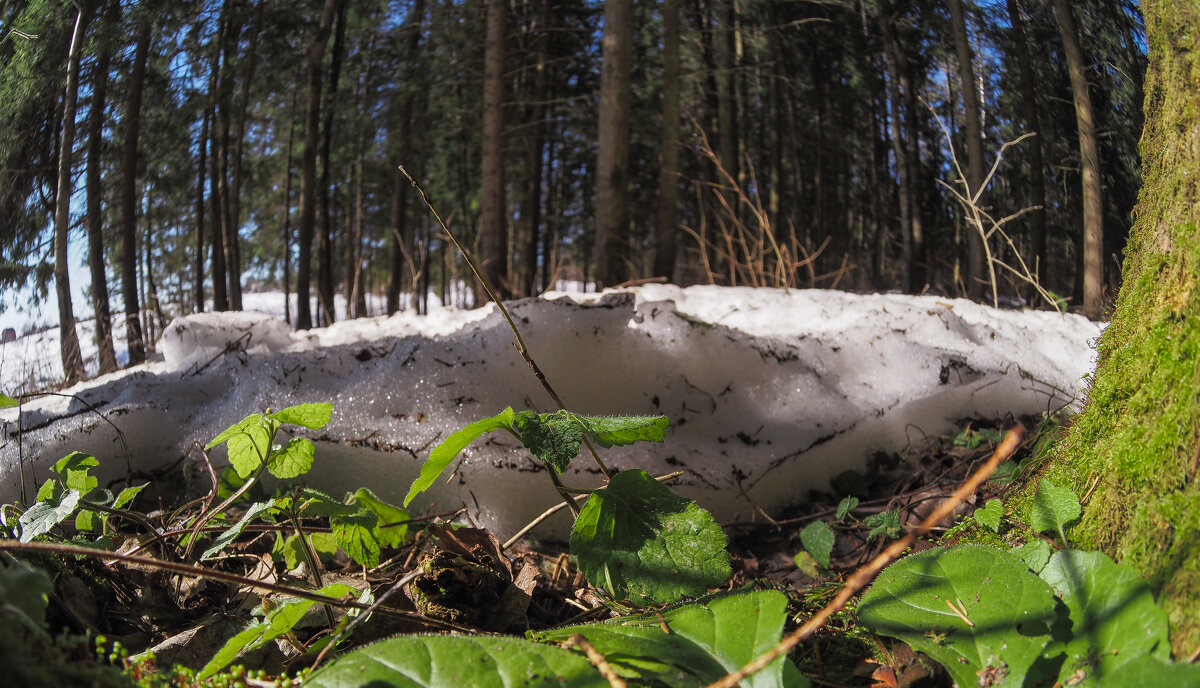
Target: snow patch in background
[[770, 392]]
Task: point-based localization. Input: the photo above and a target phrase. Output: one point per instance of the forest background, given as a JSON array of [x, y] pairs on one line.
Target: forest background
[[195, 150]]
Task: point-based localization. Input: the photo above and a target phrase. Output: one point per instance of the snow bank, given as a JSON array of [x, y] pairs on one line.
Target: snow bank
[[770, 392]]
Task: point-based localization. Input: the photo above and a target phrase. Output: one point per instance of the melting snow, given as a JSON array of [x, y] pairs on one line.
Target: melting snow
[[770, 392]]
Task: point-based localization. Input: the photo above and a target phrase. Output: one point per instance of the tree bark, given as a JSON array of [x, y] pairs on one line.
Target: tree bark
[[308, 166], [401, 188], [95, 213], [612, 160], [129, 168], [72, 359], [896, 68], [666, 219], [1140, 430], [1029, 110], [1089, 164], [198, 256], [222, 157], [235, 190], [325, 281], [976, 270], [531, 206], [493, 211]]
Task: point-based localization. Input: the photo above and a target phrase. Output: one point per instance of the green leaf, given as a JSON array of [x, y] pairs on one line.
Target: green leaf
[[429, 661], [640, 541], [24, 595], [1148, 672], [444, 453], [233, 532], [393, 535], [618, 431], [239, 427], [991, 514], [282, 618], [294, 460], [845, 506], [1054, 508], [1011, 610], [87, 521], [8, 402], [72, 471], [311, 416], [884, 524], [552, 437], [817, 537], [807, 564], [355, 535], [127, 495], [1035, 553], [693, 644], [1113, 615], [45, 514]]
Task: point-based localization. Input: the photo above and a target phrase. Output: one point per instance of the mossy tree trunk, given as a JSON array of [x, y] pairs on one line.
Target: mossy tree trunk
[[1140, 432]]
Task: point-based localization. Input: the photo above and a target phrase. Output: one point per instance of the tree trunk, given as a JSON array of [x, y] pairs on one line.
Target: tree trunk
[[612, 160], [1140, 431], [1029, 110], [895, 69], [401, 189], [198, 257], [666, 219], [308, 166], [229, 34], [976, 270], [287, 217], [129, 168], [95, 214], [493, 225], [1089, 164], [531, 207], [72, 360], [325, 281], [235, 191]]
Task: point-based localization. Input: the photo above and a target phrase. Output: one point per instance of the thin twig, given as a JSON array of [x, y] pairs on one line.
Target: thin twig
[[597, 660], [865, 574]]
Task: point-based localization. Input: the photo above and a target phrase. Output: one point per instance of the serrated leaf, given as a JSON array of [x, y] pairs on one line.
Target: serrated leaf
[[8, 402], [45, 514], [1010, 608], [49, 490], [554, 438], [617, 431], [1054, 508], [444, 453], [1113, 615], [845, 506], [248, 449], [233, 532], [693, 644], [640, 541], [87, 520], [72, 471], [252, 420], [1035, 553], [884, 524], [355, 535], [294, 460], [311, 416], [393, 535], [991, 514], [427, 661], [817, 538]]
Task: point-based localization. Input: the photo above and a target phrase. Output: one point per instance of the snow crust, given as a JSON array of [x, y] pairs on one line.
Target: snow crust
[[770, 392]]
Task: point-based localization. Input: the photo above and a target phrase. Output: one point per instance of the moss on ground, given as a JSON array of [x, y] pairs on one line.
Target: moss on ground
[[1140, 431]]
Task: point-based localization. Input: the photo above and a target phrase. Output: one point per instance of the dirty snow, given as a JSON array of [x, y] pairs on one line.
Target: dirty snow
[[770, 392]]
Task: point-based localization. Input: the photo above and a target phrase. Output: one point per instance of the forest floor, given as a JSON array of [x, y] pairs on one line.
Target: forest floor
[[188, 621]]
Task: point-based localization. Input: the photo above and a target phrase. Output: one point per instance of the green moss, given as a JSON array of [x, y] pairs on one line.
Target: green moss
[[1140, 431]]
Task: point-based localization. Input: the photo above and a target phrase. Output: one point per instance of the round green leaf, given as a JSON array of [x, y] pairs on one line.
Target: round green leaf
[[817, 537], [1008, 608], [640, 541], [425, 661]]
